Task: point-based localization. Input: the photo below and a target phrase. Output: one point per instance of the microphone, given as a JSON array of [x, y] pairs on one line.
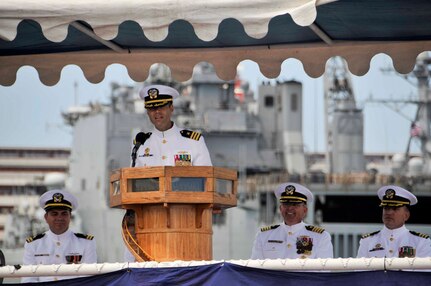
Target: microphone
[[140, 139]]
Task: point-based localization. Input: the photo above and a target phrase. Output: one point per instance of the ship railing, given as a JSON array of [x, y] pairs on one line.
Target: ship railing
[[320, 264], [345, 237], [267, 182]]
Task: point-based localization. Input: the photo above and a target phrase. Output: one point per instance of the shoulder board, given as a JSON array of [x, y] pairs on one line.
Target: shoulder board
[[191, 134], [370, 234], [86, 236], [36, 237], [315, 228], [423, 235], [265, 228]]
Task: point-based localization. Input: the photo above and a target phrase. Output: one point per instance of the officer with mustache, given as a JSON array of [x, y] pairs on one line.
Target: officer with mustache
[[395, 240]]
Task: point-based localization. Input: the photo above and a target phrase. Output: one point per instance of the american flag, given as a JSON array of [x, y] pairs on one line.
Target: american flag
[[415, 130], [238, 90]]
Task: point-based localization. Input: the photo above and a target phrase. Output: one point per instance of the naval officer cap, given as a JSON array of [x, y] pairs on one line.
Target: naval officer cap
[[293, 193], [158, 95], [58, 199], [394, 196]]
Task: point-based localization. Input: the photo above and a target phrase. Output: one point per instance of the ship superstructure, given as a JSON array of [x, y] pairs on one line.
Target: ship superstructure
[[26, 173], [260, 135]]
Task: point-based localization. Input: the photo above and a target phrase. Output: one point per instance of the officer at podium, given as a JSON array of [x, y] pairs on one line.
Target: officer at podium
[[58, 245], [167, 144]]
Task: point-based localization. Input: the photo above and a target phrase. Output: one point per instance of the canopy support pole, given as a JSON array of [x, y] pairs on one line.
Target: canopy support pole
[[92, 35], [321, 34]]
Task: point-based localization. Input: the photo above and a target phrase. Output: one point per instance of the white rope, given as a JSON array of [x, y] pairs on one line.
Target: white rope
[[337, 264]]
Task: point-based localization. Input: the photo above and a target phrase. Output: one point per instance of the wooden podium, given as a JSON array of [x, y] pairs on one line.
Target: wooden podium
[[173, 209]]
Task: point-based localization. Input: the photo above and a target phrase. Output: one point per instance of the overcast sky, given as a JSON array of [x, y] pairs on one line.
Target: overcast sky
[[30, 112]]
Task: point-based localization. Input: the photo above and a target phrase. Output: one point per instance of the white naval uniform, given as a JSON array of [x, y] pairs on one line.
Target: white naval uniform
[[55, 249], [163, 147], [160, 150], [281, 242], [387, 243]]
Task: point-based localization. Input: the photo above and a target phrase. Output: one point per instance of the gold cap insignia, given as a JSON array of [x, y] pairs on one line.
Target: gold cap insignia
[[290, 189], [153, 93], [57, 198], [390, 193]]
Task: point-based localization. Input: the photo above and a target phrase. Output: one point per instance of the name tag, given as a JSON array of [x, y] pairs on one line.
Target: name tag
[[275, 241]]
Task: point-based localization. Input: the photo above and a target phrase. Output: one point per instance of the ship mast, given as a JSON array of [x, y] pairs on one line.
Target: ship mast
[[422, 74], [421, 123], [343, 120]]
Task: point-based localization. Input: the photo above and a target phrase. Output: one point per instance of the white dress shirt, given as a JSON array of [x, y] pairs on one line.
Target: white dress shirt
[[398, 242], [170, 148], [296, 241], [66, 248]]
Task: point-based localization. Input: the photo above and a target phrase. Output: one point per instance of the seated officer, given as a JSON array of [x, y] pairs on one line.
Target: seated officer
[[293, 238], [58, 245], [395, 240]]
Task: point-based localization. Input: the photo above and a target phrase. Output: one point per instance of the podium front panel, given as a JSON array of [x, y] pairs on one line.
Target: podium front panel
[[144, 185], [187, 184]]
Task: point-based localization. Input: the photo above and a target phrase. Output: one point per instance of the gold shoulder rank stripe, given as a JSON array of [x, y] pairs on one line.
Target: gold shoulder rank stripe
[[86, 236], [315, 228], [266, 228], [36, 237], [370, 234], [191, 134], [423, 235]]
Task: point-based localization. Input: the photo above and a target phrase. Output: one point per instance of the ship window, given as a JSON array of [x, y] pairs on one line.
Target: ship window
[[83, 184], [419, 214], [364, 209], [294, 102], [269, 101], [349, 209]]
